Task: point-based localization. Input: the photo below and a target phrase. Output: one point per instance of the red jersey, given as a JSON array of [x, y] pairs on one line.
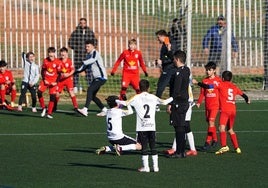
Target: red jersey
[[212, 94], [132, 61], [227, 93], [6, 76], [67, 66], [50, 69]]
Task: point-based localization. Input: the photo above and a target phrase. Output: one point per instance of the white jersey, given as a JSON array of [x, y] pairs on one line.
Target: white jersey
[[114, 122], [145, 105]]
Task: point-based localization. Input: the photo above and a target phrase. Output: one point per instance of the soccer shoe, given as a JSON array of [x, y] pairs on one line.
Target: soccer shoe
[[206, 147], [103, 112], [117, 149], [157, 108], [83, 112], [7, 107], [191, 152], [143, 169], [156, 169], [19, 109], [43, 112], [170, 151], [177, 156], [49, 116], [75, 90], [101, 150], [34, 109], [238, 150], [214, 143], [222, 150]]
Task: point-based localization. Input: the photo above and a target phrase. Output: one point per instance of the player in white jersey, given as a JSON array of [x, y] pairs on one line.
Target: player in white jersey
[[189, 133], [120, 142], [145, 105]]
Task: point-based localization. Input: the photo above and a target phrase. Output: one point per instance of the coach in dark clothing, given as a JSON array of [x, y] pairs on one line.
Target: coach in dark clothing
[[179, 91], [76, 42], [165, 62]]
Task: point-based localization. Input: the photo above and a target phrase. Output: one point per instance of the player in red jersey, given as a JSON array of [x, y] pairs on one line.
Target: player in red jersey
[[66, 77], [130, 75], [49, 73], [211, 96], [227, 95], [7, 85]]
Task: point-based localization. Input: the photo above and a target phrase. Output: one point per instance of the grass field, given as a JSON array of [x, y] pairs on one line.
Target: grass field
[[39, 152]]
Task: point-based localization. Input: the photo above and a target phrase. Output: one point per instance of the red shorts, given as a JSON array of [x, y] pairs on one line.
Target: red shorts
[[132, 79], [68, 83], [52, 89], [227, 118], [211, 115]]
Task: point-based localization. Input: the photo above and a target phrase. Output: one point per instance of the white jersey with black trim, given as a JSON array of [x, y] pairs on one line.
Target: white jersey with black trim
[[114, 122], [145, 106]]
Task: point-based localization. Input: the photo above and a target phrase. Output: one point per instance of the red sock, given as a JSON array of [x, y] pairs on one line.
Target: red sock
[[42, 102], [3, 95], [209, 134], [223, 138], [13, 95], [74, 101], [234, 140], [50, 107], [214, 134]]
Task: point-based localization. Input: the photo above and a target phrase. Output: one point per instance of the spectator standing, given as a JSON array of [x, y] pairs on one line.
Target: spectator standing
[[76, 42], [30, 78], [130, 74]]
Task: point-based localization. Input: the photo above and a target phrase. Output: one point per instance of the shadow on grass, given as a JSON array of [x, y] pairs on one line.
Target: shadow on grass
[[107, 166]]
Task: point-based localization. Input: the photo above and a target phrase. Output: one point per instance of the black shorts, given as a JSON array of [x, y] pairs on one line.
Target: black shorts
[[126, 140]]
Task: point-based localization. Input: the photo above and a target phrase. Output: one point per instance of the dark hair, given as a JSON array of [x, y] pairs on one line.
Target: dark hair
[[3, 63], [84, 19], [92, 41], [64, 49], [29, 53], [220, 17], [227, 75], [210, 65], [51, 49], [144, 85], [111, 101], [161, 33], [181, 55]]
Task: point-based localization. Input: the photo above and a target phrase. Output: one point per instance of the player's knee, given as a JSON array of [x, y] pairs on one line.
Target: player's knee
[[39, 94], [138, 146], [52, 97]]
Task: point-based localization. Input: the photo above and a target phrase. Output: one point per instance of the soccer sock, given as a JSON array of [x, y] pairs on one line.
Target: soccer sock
[[190, 138], [109, 148], [145, 161], [50, 107], [74, 101], [155, 161], [128, 147], [209, 135], [174, 145], [234, 140], [223, 138], [42, 102], [13, 95], [214, 134], [3, 95]]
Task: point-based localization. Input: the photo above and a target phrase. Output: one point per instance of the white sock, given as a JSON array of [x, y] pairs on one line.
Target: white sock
[[145, 161], [128, 147], [155, 161], [190, 138], [109, 148], [174, 145]]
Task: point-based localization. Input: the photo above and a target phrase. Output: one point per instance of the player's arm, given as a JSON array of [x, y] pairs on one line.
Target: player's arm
[[246, 98], [166, 101], [118, 61]]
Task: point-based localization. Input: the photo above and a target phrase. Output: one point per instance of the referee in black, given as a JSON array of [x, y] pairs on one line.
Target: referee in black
[[179, 91]]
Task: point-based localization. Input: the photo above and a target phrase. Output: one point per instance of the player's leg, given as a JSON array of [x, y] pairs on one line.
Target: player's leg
[[3, 93], [127, 143], [23, 90], [152, 138], [143, 139], [70, 88], [33, 96], [13, 94], [124, 85], [232, 133], [224, 118], [135, 83]]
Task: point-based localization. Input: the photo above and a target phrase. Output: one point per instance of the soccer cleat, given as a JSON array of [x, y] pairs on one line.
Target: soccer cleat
[[43, 112], [206, 147], [238, 150], [83, 111], [103, 112], [143, 169], [156, 169], [170, 151], [34, 109], [101, 150], [191, 152], [222, 150], [117, 149], [49, 116], [214, 143], [19, 108], [177, 156], [157, 108]]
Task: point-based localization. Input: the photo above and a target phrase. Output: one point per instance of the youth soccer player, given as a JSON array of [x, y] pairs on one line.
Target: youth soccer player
[[30, 78], [227, 94], [49, 73], [120, 142], [145, 106], [7, 85], [132, 61], [66, 77], [211, 96]]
